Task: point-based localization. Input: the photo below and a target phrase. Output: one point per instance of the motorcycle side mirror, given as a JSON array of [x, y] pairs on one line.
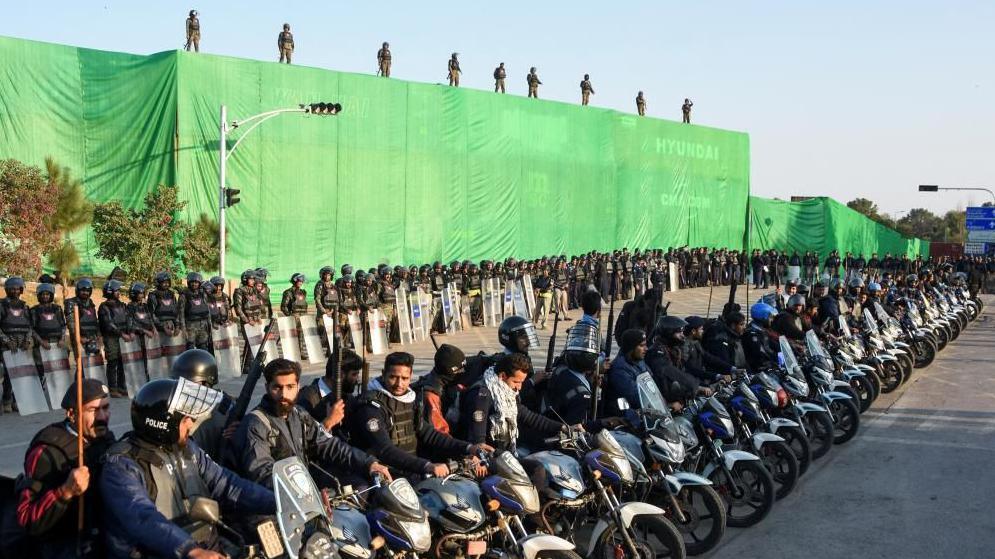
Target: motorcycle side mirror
[[623, 404], [205, 510]]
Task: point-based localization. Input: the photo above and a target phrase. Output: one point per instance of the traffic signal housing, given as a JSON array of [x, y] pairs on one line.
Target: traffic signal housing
[[323, 109], [231, 197]]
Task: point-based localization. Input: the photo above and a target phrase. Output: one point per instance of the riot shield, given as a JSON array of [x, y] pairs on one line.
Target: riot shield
[[454, 307], [329, 323], [449, 312], [254, 337], [508, 307], [417, 317], [378, 331], [289, 342], [308, 329], [427, 310], [155, 363], [356, 329], [491, 297], [794, 273], [23, 373], [133, 362], [58, 373], [225, 340], [172, 347], [521, 308], [94, 366], [463, 304], [530, 295], [674, 276], [403, 315]]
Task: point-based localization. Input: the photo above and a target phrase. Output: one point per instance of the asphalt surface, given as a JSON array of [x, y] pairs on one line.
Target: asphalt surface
[[915, 482]]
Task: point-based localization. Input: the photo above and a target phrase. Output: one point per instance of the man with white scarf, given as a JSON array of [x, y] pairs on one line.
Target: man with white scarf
[[492, 412]]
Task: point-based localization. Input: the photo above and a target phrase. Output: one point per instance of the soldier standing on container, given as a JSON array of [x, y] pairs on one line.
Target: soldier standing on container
[[285, 43], [499, 75], [193, 32], [454, 70], [686, 109], [641, 104], [533, 80], [586, 90], [383, 60]]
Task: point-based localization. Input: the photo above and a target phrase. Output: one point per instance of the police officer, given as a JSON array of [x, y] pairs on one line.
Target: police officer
[[285, 43], [561, 288], [294, 299], [388, 303], [532, 79], [757, 338], [620, 381], [389, 425], [48, 494], [454, 70], [474, 284], [491, 411], [319, 398], [139, 315], [347, 304], [154, 474], [113, 317], [89, 324], [439, 391], [640, 104], [218, 303], [15, 330], [248, 308], [499, 75], [569, 394], [326, 302], [543, 287], [383, 60], [193, 32], [48, 322], [686, 111], [789, 321], [164, 305], [586, 90], [262, 288], [195, 313]]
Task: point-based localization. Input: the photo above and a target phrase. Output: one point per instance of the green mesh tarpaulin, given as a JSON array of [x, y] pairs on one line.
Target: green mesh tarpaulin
[[408, 173], [821, 225]]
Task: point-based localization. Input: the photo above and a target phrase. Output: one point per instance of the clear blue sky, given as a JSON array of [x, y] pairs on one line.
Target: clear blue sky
[[846, 98]]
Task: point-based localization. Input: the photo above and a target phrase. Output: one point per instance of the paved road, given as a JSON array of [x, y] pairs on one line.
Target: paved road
[[916, 481], [16, 431]]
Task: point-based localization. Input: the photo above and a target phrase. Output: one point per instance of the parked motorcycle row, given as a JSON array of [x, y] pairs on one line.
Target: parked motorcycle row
[[666, 485]]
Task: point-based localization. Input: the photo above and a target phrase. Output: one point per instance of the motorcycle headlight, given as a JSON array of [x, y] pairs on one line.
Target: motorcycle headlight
[[672, 451], [418, 532], [686, 431], [527, 495]]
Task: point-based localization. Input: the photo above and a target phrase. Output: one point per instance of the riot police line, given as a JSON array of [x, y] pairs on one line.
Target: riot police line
[[534, 451]]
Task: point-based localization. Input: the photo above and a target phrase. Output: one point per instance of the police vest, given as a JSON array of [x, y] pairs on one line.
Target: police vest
[[48, 321], [473, 281], [139, 313], [172, 480], [299, 303], [165, 308], [118, 314], [400, 419], [16, 319], [219, 307], [387, 294], [195, 306], [347, 300], [328, 295], [251, 305], [438, 282], [194, 24], [88, 322]]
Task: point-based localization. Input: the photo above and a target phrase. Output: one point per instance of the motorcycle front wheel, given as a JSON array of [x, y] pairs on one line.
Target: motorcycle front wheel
[[655, 538], [926, 352], [796, 440], [846, 420], [749, 494], [557, 554], [782, 465], [819, 428], [891, 376], [704, 515], [864, 389]]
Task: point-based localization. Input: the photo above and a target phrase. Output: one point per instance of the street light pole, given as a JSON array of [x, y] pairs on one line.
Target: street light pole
[[934, 188], [318, 109]]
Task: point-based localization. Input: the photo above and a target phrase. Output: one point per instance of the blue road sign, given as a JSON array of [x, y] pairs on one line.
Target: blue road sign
[[980, 213], [981, 224]]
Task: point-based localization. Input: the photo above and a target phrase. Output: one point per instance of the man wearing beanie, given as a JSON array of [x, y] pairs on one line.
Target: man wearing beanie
[[48, 493], [621, 378], [440, 389]]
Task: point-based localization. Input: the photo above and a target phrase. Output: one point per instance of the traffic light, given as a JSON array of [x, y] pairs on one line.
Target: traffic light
[[231, 197], [323, 109], [928, 188]]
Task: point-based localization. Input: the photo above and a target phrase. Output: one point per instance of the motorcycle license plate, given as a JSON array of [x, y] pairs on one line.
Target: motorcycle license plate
[[476, 547]]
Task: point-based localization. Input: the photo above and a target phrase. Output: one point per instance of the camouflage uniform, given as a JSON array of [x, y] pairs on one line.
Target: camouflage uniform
[[285, 43], [195, 319], [383, 60], [499, 76], [193, 32], [585, 90], [533, 80], [454, 71], [641, 104], [388, 306]]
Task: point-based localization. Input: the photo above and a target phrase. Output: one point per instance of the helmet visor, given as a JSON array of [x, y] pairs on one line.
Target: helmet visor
[[193, 400]]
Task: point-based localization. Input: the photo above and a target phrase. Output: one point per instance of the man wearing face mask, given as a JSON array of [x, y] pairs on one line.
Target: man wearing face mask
[[153, 475], [48, 495]]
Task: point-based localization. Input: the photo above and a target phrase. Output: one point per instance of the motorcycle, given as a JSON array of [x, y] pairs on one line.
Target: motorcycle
[[814, 418], [772, 397], [656, 451], [578, 483], [841, 407]]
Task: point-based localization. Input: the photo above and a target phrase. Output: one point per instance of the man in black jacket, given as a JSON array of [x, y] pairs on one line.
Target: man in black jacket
[[724, 340], [708, 366]]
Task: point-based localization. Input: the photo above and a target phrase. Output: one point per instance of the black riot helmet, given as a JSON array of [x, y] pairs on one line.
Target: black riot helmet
[[162, 278], [193, 13], [326, 270], [346, 270], [670, 329], [196, 365], [262, 274], [583, 348], [248, 275], [84, 285], [218, 281], [360, 277], [517, 334], [12, 284], [112, 287], [45, 288], [136, 289], [298, 277], [160, 406]]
